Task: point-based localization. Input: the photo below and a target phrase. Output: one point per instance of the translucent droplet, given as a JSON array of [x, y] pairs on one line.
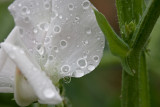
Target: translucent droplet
[[77, 19], [91, 67], [60, 16], [47, 5], [78, 73], [40, 49], [65, 68], [47, 40], [88, 31], [85, 42], [35, 30], [70, 6], [21, 31], [82, 62], [86, 4], [49, 93], [44, 26], [25, 10], [26, 19], [50, 58], [63, 43], [57, 29], [96, 58], [55, 49]]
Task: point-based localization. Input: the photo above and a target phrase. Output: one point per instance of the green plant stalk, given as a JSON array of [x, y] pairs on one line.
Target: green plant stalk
[[135, 89]]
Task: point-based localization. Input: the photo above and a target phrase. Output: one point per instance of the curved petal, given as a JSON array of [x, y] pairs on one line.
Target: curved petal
[[10, 39], [41, 84], [74, 42], [7, 77]]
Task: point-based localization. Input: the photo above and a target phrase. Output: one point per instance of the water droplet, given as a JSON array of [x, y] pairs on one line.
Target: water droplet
[[49, 93], [25, 10], [50, 58], [85, 42], [78, 73], [55, 49], [77, 19], [88, 31], [60, 16], [21, 31], [86, 4], [35, 30], [44, 26], [91, 67], [40, 49], [82, 62], [70, 6], [96, 58], [47, 5], [65, 68], [57, 29], [26, 19], [47, 40], [63, 43]]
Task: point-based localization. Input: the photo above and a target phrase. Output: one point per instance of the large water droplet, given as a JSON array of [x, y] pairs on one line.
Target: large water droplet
[[63, 43], [49, 93], [86, 4], [91, 67], [78, 73], [65, 68], [82, 62], [47, 40]]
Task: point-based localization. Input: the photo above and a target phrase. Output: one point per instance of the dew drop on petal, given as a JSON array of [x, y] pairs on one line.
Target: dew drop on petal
[[96, 58], [88, 31], [47, 40], [40, 49], [26, 19], [35, 30], [86, 4], [65, 68], [49, 93], [70, 6], [57, 29], [78, 73], [82, 63], [63, 43], [91, 67], [44, 26], [55, 49], [46, 5], [50, 58]]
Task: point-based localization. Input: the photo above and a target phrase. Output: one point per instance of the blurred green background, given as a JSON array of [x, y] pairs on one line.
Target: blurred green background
[[102, 87]]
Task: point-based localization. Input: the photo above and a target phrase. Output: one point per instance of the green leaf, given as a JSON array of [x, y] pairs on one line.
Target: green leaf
[[117, 46]]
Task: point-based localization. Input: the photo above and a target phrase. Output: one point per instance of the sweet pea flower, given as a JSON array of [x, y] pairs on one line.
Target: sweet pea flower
[[52, 39]]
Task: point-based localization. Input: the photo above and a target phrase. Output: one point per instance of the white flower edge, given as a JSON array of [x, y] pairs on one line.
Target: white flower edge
[[41, 84]]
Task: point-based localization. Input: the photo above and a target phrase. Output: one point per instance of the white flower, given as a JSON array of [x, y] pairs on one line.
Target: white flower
[[52, 39]]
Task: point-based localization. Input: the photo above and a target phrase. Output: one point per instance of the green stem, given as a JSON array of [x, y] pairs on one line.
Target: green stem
[[144, 28], [135, 89]]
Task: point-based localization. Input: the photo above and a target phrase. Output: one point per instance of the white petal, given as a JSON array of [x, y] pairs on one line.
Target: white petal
[[42, 85], [12, 38], [32, 17], [23, 92], [74, 38], [7, 77]]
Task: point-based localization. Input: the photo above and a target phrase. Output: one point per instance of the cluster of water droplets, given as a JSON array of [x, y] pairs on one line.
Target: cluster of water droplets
[[62, 35]]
